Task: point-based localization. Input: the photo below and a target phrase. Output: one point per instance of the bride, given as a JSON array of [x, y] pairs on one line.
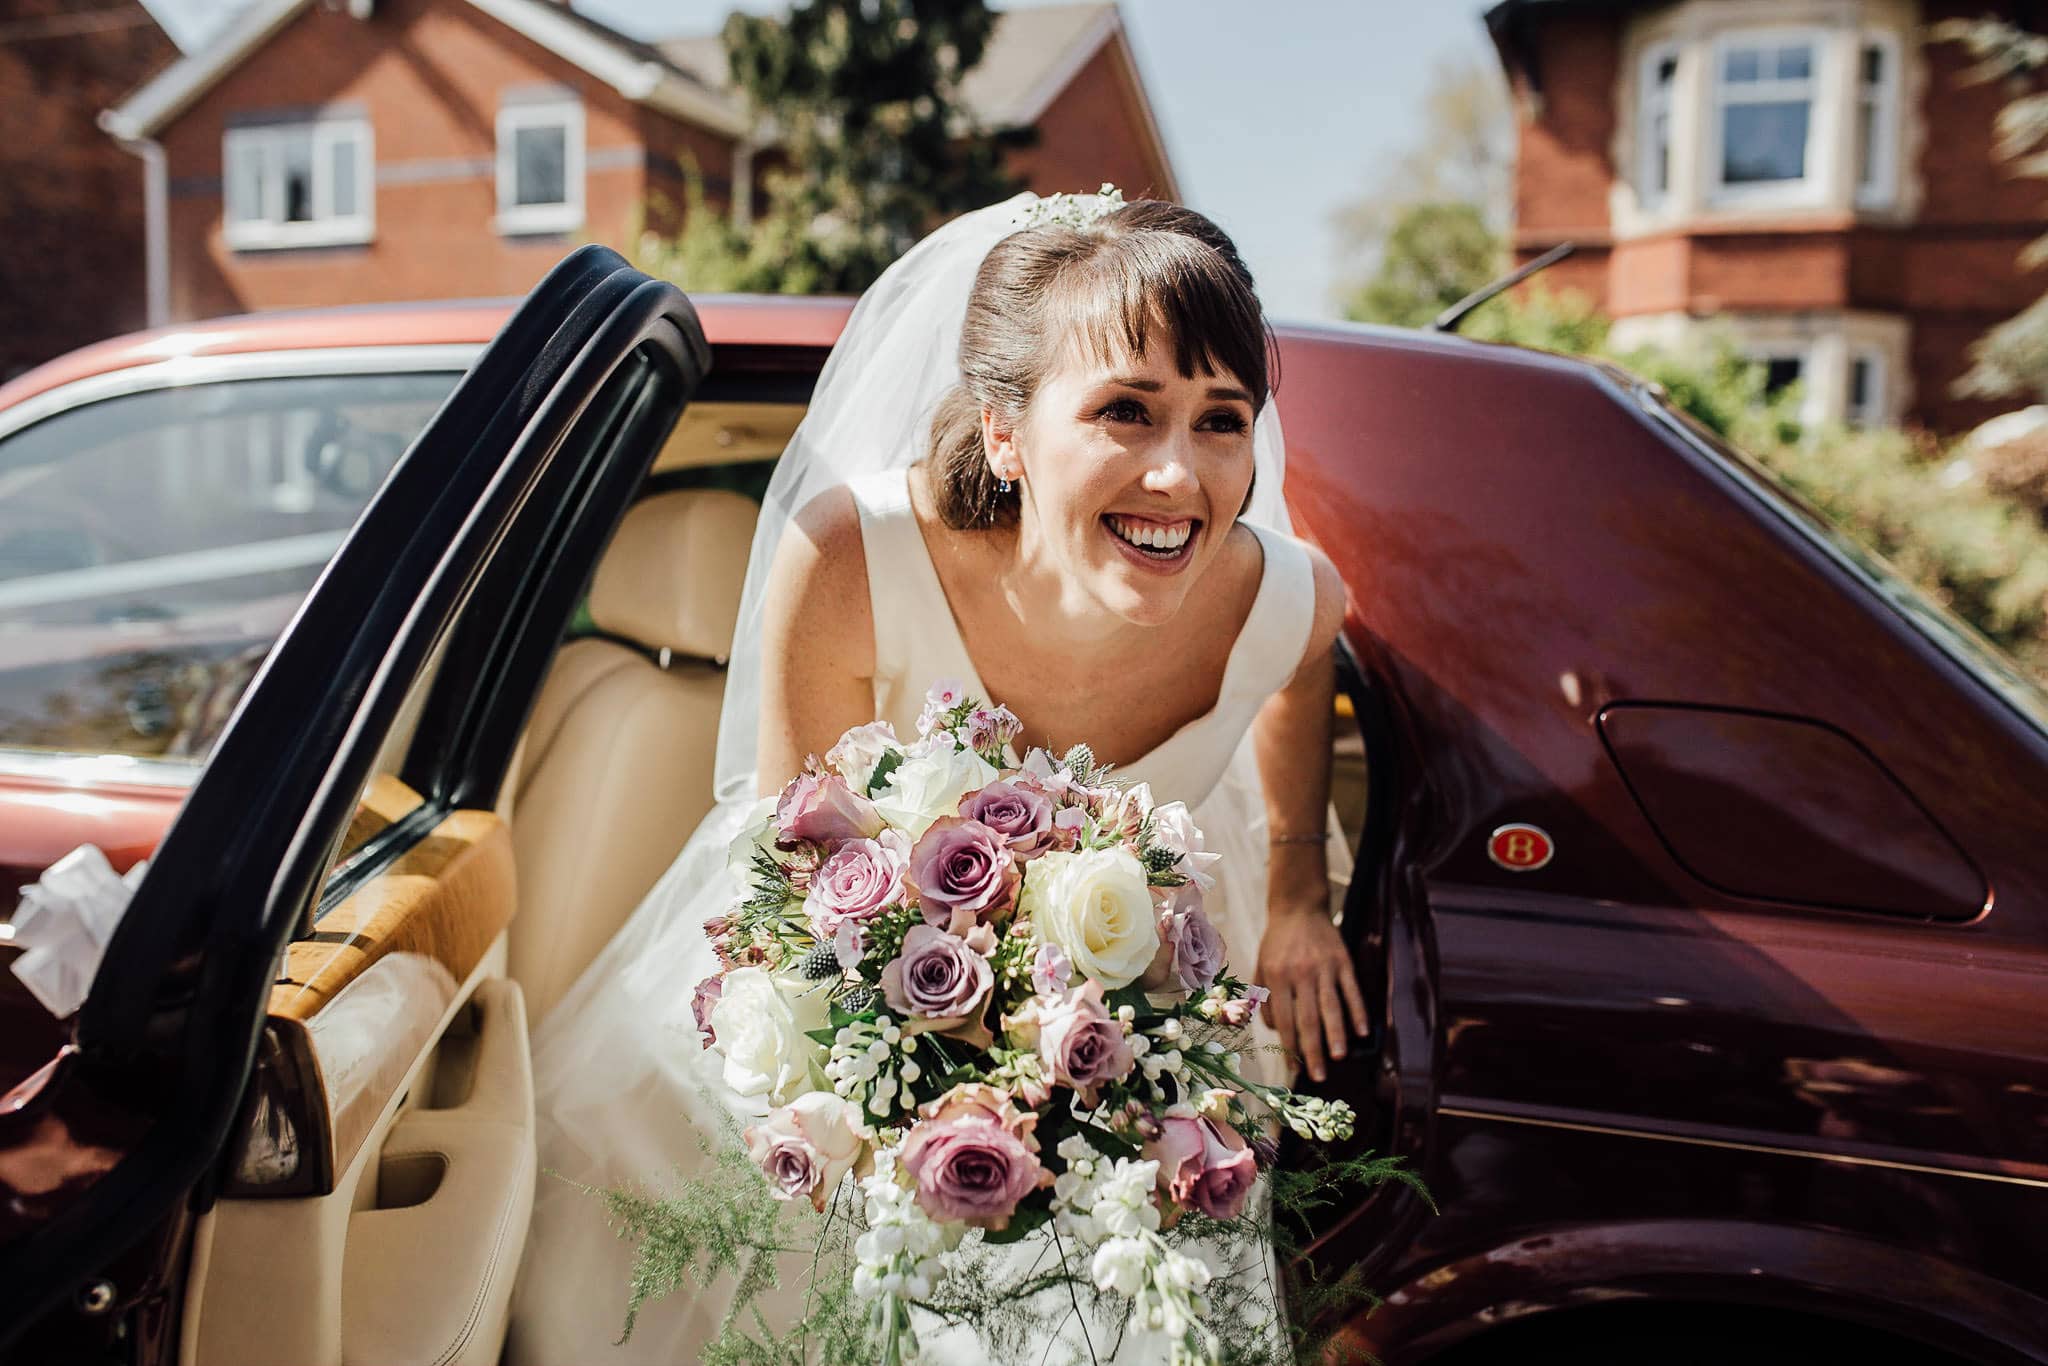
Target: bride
[[1041, 461]]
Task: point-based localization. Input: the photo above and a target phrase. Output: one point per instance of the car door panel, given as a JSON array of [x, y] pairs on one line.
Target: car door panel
[[254, 1013]]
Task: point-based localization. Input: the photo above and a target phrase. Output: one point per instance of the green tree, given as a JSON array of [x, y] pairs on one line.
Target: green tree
[[2011, 359], [1464, 156], [1434, 255], [875, 145]]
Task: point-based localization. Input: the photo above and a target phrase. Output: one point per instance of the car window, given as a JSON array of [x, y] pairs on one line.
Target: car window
[[153, 544]]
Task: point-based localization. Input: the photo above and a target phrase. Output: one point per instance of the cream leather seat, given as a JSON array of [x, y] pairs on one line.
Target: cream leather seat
[[616, 764]]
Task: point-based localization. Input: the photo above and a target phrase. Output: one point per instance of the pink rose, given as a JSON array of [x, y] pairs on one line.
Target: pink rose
[[823, 809], [859, 881], [978, 1100], [962, 865], [1080, 1042], [937, 976], [805, 1147], [1019, 811], [970, 1168], [1203, 1164], [706, 996]]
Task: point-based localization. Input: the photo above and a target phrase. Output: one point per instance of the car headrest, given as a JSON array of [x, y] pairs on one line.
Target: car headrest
[[672, 576]]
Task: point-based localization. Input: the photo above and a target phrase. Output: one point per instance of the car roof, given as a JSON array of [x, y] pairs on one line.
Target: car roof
[[728, 319]]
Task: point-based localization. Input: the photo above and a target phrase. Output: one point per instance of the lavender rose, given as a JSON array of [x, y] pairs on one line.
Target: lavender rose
[[1197, 947], [1021, 812], [962, 866], [823, 809], [936, 976], [859, 881], [970, 1168], [1080, 1042], [1203, 1164], [706, 996]]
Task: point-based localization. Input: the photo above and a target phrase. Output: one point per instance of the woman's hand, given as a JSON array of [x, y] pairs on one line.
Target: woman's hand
[[1305, 964]]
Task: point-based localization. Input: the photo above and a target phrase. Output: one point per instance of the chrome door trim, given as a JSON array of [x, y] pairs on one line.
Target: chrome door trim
[[97, 770], [182, 371]]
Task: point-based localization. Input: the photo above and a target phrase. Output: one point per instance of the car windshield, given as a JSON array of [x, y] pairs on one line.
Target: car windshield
[[153, 544], [1951, 634]]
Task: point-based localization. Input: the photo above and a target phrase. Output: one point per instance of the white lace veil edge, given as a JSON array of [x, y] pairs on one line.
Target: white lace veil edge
[[871, 411]]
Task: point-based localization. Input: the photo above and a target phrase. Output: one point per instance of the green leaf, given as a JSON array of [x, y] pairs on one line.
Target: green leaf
[[824, 1036], [891, 760]]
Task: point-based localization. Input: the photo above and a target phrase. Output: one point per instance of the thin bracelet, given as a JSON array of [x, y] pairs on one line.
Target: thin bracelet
[[1297, 839]]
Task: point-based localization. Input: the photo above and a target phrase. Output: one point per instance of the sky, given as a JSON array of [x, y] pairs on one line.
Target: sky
[[1274, 112]]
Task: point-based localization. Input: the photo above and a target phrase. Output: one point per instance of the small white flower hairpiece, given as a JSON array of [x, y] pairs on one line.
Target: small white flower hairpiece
[[1074, 210]]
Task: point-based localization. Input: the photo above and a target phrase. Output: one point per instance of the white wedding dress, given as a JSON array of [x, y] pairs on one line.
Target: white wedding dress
[[620, 1090]]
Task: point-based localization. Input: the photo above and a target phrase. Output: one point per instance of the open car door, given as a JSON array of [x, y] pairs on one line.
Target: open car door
[[294, 1121]]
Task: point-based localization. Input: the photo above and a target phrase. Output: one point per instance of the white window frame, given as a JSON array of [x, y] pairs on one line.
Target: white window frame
[[1652, 99], [1811, 187], [1873, 411], [1882, 186], [326, 228], [515, 218]]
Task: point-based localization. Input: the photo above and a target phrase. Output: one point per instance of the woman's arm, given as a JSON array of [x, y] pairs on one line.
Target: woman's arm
[[818, 639], [1302, 958]]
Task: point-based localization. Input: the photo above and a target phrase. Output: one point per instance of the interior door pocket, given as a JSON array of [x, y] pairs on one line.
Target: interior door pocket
[[427, 1276]]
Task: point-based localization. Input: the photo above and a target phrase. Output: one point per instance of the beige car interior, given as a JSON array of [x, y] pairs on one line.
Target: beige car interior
[[616, 767], [382, 1183]]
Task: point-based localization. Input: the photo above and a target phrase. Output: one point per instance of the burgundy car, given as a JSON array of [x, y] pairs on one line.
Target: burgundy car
[[1701, 866]]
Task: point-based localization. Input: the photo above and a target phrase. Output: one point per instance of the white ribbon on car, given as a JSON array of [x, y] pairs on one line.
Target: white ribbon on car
[[65, 920]]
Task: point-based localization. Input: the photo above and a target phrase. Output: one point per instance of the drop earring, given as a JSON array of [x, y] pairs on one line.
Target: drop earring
[[1003, 486]]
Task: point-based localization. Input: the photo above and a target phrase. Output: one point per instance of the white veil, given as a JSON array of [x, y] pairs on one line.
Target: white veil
[[617, 1082], [871, 411]]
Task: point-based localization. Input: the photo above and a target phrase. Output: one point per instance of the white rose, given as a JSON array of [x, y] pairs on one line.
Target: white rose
[[927, 786], [760, 1024], [859, 750], [1119, 1266], [1094, 903], [757, 835]]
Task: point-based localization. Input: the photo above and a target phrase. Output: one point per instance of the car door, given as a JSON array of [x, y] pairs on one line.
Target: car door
[[294, 1119]]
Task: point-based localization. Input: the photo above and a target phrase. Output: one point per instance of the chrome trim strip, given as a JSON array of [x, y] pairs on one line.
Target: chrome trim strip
[[1772, 1150], [97, 770], [177, 372]]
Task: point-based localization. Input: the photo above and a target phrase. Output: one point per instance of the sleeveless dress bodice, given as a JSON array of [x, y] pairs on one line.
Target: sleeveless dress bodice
[[917, 642]]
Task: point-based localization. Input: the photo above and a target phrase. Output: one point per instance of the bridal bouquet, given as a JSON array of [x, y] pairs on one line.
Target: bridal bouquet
[[960, 992]]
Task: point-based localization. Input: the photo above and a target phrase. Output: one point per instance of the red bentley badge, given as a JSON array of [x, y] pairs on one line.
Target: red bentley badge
[[1520, 848]]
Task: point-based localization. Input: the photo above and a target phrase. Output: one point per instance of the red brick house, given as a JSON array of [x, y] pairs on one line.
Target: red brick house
[[1811, 175], [334, 151], [71, 224]]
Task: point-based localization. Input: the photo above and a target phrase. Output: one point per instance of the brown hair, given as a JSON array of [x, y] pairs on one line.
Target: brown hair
[[1107, 282]]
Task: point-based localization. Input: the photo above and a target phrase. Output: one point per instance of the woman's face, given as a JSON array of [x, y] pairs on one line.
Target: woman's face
[[1132, 475]]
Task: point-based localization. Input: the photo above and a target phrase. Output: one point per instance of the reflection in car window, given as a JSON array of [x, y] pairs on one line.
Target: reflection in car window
[[152, 545]]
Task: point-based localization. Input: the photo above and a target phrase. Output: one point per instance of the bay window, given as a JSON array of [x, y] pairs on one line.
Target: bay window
[[1877, 84], [298, 184], [1654, 114], [1764, 88]]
